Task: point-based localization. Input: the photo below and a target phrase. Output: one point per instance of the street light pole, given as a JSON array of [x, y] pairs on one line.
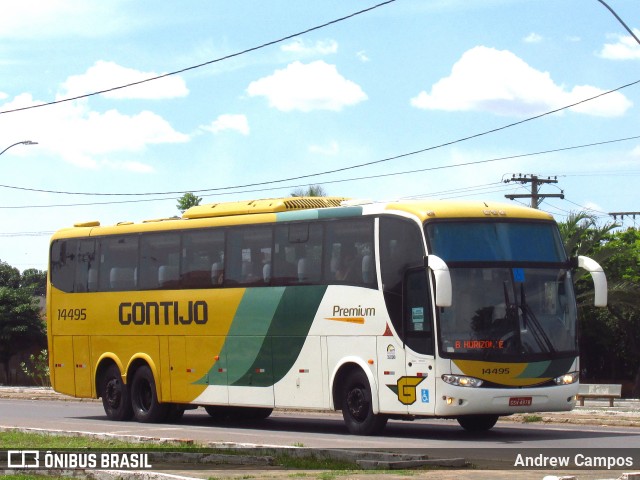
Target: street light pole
[[24, 142]]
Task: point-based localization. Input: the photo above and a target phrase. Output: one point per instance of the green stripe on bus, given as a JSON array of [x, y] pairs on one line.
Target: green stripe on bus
[[266, 335], [547, 368], [286, 336]]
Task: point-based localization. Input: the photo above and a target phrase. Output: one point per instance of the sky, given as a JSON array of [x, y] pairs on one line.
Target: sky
[[408, 99]]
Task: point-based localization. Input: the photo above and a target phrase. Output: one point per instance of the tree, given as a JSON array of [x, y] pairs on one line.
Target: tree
[[609, 338], [36, 280], [310, 191], [187, 201], [9, 276], [20, 324]]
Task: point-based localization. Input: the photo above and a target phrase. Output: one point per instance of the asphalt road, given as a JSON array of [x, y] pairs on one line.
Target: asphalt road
[[317, 430], [598, 430]]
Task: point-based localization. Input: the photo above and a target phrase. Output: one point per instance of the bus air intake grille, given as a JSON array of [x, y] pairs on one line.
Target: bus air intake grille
[[249, 207]]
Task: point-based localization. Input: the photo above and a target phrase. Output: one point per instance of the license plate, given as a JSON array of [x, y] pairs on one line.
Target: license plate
[[520, 401]]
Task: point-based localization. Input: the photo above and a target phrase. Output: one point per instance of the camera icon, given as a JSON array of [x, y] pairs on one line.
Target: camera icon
[[23, 459]]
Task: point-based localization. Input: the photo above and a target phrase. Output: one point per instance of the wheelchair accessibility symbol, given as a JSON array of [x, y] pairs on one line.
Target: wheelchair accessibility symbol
[[424, 395]]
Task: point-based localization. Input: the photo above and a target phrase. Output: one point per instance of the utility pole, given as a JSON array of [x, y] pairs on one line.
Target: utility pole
[[615, 215], [535, 195]]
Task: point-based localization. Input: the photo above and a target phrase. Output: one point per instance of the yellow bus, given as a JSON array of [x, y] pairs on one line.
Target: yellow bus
[[381, 310]]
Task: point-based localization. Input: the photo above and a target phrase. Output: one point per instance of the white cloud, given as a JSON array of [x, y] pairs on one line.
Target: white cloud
[[533, 38], [625, 48], [31, 19], [104, 75], [83, 137], [321, 47], [498, 81], [133, 166], [237, 123], [331, 149], [636, 151], [589, 205], [307, 87], [362, 56]]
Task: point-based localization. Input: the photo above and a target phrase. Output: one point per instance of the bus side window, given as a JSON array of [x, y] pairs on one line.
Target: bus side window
[[349, 253], [418, 325], [159, 261], [86, 267], [248, 256], [63, 264], [118, 263], [203, 258], [298, 254]]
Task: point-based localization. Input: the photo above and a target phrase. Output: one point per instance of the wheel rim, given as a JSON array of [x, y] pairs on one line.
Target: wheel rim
[[144, 396], [358, 404], [113, 393]]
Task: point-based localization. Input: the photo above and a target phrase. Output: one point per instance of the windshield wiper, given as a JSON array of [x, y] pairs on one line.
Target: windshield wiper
[[536, 329]]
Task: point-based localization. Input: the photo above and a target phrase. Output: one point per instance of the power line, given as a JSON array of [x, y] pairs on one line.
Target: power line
[[620, 20], [193, 67], [26, 234], [271, 182], [368, 177]]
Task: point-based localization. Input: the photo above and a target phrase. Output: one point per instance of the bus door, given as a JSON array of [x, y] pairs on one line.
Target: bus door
[[62, 361], [418, 391], [177, 366]]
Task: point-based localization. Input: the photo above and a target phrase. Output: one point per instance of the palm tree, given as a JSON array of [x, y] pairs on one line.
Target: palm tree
[[582, 235], [610, 337]]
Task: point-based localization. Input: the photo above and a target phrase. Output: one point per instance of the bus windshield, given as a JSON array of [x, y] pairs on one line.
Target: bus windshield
[[512, 291]]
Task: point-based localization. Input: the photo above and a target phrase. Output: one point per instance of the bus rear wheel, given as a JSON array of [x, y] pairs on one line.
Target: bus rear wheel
[[478, 423], [144, 399], [115, 395], [357, 406]]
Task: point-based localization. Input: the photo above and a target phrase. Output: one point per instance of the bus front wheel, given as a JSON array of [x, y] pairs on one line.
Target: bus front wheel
[[357, 406], [144, 399], [115, 395], [478, 423]]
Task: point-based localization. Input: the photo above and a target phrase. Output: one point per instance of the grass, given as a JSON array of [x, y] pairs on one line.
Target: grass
[[20, 440], [31, 477], [532, 418]]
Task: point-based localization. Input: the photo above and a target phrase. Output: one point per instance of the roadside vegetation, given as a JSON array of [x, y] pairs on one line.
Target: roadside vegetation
[[37, 441]]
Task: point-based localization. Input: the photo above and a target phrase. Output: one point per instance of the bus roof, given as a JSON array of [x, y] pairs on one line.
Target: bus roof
[[281, 209], [439, 209]]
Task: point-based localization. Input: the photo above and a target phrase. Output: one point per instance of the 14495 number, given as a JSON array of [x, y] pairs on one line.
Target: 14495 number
[[72, 314], [496, 371]]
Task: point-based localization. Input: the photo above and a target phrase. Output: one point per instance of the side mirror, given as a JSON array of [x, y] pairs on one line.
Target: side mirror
[[442, 279], [599, 279]]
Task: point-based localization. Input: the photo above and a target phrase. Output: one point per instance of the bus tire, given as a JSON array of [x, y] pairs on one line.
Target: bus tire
[[217, 412], [256, 413], [175, 412], [144, 398], [478, 423], [357, 406], [116, 399]]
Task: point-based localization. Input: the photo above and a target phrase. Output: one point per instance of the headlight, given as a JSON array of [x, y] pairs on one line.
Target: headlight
[[567, 378], [462, 381]]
